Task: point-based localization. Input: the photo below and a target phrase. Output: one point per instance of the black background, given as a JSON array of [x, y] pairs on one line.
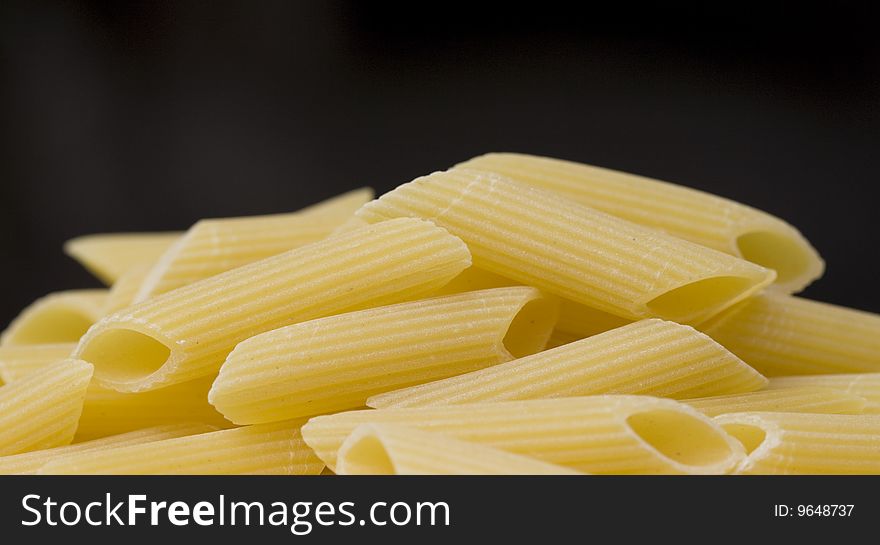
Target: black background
[[122, 117]]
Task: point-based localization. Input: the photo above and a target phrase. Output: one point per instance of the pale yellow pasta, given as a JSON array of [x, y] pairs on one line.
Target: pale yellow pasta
[[18, 361], [187, 333], [789, 400], [374, 449], [266, 449], [110, 255], [812, 444], [214, 246], [649, 357], [599, 434], [29, 462], [864, 385], [784, 335], [683, 212], [61, 317], [108, 412], [578, 321], [41, 410], [474, 278], [124, 290], [541, 239], [336, 363]]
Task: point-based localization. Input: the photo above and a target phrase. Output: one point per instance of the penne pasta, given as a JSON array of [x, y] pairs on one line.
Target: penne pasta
[[789, 400], [650, 357], [268, 449], [214, 246], [473, 279], [864, 385], [541, 239], [18, 361], [110, 255], [578, 321], [41, 410], [336, 363], [187, 333], [806, 444], [686, 213], [108, 412], [61, 317], [124, 290], [599, 434], [399, 450], [29, 463], [783, 335]]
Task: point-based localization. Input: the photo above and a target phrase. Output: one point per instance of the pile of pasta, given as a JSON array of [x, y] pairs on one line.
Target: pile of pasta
[[511, 315]]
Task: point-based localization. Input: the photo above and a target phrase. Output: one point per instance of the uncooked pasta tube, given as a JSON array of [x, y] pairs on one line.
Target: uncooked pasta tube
[[214, 246], [789, 400], [108, 412], [268, 449], [187, 333], [30, 462], [784, 335], [18, 361], [650, 357], [795, 443], [686, 213], [336, 363], [110, 255], [41, 410], [61, 317], [864, 385], [541, 239], [398, 450], [598, 434]]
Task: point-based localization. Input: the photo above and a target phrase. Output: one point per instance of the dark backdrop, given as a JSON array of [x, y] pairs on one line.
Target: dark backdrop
[[146, 117]]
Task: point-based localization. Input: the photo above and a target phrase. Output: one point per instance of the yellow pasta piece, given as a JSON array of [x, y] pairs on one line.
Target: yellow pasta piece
[[811, 444], [687, 213], [108, 412], [599, 434], [399, 450], [124, 290], [336, 363], [541, 239], [864, 385], [29, 462], [214, 246], [789, 400], [18, 361], [473, 279], [578, 321], [783, 335], [187, 333], [61, 317], [650, 357], [266, 449], [108, 256], [41, 410]]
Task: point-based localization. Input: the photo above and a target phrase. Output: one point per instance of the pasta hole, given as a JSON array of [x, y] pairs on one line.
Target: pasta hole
[[680, 437], [530, 329], [700, 299], [56, 325], [750, 436], [124, 355], [365, 455], [776, 251]]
